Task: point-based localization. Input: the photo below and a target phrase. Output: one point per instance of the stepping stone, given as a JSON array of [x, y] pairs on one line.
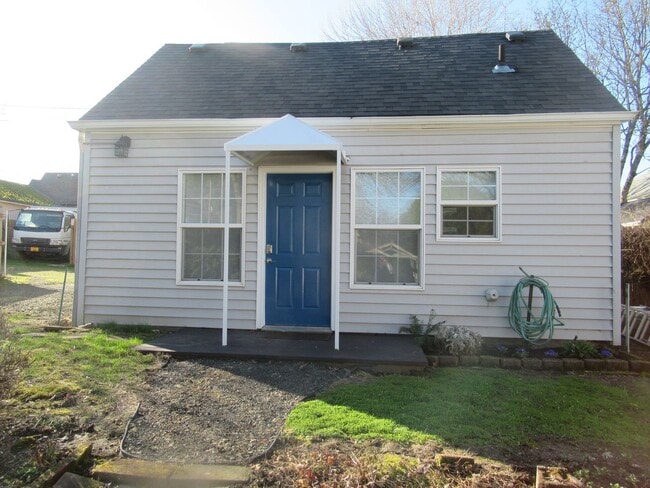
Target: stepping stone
[[71, 480], [158, 474]]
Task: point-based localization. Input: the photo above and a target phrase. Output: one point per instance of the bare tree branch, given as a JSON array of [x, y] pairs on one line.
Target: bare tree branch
[[612, 37], [386, 19]]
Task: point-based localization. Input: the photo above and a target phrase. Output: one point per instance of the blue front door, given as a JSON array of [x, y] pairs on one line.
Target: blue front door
[[298, 249]]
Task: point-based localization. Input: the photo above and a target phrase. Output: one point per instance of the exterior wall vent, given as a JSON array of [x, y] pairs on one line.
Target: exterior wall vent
[[501, 66], [298, 47], [197, 48], [516, 36], [404, 42]]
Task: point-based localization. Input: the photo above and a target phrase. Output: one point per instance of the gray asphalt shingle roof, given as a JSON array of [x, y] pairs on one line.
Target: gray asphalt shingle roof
[[437, 76]]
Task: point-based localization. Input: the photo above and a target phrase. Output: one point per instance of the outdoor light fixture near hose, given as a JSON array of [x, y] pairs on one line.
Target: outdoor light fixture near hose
[[531, 328]]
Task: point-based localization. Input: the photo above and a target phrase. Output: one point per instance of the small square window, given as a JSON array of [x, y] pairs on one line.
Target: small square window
[[468, 203]]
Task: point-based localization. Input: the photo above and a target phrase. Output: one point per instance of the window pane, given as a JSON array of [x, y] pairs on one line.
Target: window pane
[[366, 185], [212, 211], [192, 185], [482, 193], [236, 185], [236, 210], [192, 210], [456, 178], [409, 185], [409, 211], [366, 270], [365, 211], [387, 256], [212, 183], [454, 193], [483, 229], [234, 263], [483, 178], [454, 228], [387, 184], [481, 213], [387, 210], [203, 254], [454, 213]]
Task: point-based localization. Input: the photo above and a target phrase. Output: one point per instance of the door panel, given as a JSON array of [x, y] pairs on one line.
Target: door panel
[[299, 241]]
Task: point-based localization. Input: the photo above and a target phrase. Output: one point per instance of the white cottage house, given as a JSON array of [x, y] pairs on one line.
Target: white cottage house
[[368, 181]]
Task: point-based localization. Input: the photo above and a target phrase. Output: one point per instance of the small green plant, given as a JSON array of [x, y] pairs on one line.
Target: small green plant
[[579, 349], [521, 353], [425, 336]]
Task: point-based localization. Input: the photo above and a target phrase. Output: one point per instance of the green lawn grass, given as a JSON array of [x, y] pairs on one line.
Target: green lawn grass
[[28, 271], [480, 407], [93, 362]]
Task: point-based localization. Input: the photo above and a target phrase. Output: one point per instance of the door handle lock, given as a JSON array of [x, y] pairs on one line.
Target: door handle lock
[[269, 260], [269, 249]]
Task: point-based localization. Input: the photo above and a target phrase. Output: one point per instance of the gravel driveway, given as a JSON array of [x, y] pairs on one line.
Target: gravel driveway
[[210, 411]]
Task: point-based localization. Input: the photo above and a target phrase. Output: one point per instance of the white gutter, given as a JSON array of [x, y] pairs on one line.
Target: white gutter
[[324, 123]]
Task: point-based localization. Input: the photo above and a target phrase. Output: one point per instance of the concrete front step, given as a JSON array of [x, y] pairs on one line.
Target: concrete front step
[[142, 473]]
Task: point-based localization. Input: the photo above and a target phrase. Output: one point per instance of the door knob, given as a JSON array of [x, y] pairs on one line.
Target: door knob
[[269, 260]]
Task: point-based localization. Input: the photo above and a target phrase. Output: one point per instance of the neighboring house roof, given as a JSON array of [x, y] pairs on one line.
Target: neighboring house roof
[[24, 194], [436, 76], [61, 188]]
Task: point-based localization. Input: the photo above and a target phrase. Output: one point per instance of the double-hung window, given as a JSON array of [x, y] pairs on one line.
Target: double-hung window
[[387, 227], [468, 204], [202, 224]]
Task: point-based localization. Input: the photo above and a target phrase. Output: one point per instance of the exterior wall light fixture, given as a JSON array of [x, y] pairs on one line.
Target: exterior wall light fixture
[[122, 147]]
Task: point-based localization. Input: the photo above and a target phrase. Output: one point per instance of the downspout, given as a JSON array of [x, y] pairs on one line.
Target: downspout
[[81, 223], [616, 235], [226, 250]]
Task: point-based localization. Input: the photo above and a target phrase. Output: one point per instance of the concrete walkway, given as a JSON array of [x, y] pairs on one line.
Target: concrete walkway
[[397, 352]]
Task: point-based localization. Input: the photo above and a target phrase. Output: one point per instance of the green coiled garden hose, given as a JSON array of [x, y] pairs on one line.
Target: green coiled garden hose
[[531, 328]]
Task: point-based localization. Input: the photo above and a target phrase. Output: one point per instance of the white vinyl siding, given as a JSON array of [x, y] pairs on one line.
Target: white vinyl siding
[[556, 222], [201, 226], [387, 227]]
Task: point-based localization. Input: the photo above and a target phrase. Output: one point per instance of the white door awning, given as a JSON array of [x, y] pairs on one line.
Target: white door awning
[[287, 141], [281, 140]]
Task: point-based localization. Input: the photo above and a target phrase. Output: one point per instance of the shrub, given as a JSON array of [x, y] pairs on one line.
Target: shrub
[[459, 340], [579, 349], [424, 335], [436, 336], [635, 253], [12, 359]]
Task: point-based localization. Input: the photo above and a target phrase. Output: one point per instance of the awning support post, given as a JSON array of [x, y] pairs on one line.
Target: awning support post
[[226, 250]]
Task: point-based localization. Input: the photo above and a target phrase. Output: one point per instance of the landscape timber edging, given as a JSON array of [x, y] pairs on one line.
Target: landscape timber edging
[[546, 364]]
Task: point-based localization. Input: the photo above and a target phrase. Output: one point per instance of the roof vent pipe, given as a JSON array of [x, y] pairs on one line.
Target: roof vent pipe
[[404, 42], [516, 36], [501, 66], [298, 47]]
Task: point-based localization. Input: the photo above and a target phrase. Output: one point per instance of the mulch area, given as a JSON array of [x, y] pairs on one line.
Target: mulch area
[[211, 411]]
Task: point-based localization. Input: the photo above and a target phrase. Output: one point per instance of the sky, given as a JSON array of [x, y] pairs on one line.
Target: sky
[[59, 58]]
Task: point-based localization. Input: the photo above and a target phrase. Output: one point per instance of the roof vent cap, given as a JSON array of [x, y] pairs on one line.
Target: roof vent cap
[[404, 42], [298, 47], [516, 36], [198, 47], [501, 66]]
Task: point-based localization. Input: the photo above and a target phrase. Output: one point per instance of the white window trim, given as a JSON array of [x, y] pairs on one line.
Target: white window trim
[[179, 229], [420, 227], [439, 203]]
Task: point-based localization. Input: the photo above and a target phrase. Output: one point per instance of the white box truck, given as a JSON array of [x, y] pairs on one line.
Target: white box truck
[[41, 231]]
